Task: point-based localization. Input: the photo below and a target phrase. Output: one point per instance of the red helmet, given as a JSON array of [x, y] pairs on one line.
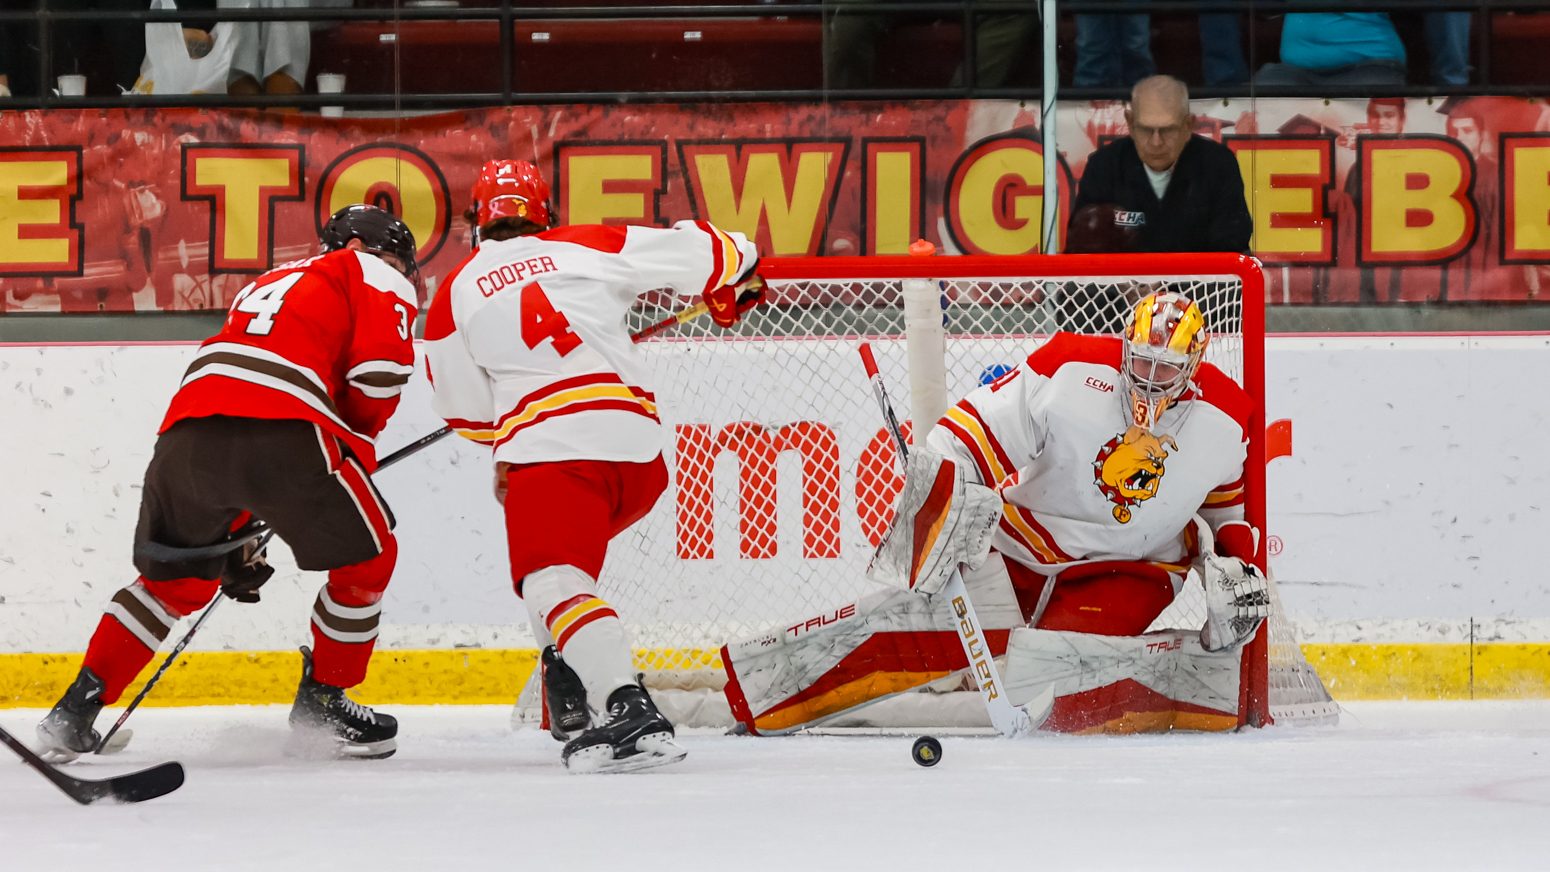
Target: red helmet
[[511, 189]]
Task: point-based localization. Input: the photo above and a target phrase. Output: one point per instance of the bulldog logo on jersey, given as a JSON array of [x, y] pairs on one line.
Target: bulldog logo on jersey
[[1130, 467]]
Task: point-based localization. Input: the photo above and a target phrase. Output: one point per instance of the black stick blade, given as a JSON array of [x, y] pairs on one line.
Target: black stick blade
[[146, 784]]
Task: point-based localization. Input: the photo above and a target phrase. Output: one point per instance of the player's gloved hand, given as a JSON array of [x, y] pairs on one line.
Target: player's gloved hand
[[246, 570], [728, 302], [1237, 600]]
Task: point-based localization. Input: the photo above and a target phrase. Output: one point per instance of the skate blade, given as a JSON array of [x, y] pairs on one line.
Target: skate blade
[[651, 750], [305, 744]]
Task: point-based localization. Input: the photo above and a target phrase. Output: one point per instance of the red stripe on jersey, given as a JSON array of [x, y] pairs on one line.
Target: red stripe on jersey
[[718, 264], [974, 450], [596, 614], [607, 239], [1049, 539], [608, 405]]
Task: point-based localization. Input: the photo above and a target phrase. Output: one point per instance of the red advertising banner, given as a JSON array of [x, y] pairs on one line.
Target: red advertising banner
[[1356, 201]]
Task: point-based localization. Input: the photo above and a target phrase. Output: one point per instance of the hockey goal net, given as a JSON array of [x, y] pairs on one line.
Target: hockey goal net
[[784, 478]]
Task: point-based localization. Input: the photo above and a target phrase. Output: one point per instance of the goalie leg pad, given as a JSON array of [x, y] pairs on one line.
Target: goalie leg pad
[[942, 521], [883, 644], [1154, 682]]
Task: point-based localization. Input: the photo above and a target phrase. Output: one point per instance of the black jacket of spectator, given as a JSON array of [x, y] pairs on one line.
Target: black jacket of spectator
[[1203, 208]]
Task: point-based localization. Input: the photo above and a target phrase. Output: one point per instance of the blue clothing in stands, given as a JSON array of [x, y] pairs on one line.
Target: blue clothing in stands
[[1331, 40]]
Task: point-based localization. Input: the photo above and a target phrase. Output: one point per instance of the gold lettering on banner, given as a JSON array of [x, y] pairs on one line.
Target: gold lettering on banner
[[780, 195], [1526, 184], [38, 190], [611, 184], [397, 178], [1416, 205], [995, 197], [243, 184], [1286, 181]]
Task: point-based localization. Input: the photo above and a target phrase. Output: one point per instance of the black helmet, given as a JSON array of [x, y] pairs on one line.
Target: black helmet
[[377, 229]]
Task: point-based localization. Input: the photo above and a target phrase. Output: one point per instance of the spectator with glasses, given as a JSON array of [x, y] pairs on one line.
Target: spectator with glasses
[[1165, 188]]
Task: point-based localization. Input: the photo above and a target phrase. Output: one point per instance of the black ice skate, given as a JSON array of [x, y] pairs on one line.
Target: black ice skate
[[565, 696], [328, 723], [636, 736], [66, 733]]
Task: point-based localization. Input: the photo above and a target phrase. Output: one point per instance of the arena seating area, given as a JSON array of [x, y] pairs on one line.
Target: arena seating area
[[769, 51]]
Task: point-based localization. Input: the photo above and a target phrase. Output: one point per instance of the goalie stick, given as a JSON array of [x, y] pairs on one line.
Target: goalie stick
[[132, 787], [257, 530], [1012, 721]]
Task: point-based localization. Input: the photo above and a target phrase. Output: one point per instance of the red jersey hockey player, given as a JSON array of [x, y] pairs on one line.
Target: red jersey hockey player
[[528, 353], [1068, 489], [275, 420]]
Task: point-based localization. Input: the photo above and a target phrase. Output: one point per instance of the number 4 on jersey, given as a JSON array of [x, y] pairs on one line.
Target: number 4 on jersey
[[264, 301], [540, 321]]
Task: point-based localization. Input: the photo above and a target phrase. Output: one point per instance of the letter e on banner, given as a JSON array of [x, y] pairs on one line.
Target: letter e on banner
[[39, 188]]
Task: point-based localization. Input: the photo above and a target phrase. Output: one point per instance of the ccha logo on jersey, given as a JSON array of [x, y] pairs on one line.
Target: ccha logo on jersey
[[1129, 220], [1130, 467]]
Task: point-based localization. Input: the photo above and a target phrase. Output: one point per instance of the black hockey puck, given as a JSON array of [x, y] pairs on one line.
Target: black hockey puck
[[927, 751]]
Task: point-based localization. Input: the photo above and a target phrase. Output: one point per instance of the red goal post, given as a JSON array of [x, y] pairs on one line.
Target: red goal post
[[783, 478]]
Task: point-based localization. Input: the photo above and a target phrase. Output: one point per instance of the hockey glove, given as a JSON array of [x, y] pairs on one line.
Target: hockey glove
[[1237, 600], [942, 521], [246, 570], [728, 302]]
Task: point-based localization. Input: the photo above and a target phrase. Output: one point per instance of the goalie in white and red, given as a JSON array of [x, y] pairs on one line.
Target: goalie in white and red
[[1067, 490], [528, 354]]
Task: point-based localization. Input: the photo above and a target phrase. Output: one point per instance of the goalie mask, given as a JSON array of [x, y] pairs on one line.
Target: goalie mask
[[509, 189], [1164, 343]]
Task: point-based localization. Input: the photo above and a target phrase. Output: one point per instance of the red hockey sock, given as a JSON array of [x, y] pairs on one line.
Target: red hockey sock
[[116, 656]]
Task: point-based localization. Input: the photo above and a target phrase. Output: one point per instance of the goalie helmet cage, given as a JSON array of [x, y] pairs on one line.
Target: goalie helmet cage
[[784, 478]]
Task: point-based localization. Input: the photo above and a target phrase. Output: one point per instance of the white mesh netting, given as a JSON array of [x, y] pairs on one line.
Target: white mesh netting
[[783, 475]]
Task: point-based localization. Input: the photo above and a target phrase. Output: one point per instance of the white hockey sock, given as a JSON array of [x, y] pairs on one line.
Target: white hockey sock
[[586, 630]]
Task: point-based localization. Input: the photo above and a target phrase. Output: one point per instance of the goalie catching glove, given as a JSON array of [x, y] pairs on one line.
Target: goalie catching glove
[[728, 302], [942, 521], [246, 570], [1237, 601]]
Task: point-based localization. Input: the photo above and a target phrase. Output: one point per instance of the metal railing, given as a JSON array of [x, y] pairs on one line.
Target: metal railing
[[968, 12]]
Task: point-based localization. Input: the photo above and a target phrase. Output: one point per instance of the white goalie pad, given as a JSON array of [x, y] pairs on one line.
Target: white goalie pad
[[1237, 600], [1157, 681], [827, 665], [942, 521]]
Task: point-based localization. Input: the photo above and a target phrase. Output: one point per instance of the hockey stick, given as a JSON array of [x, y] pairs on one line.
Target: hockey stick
[[133, 787], [1012, 721], [257, 530], [754, 284]]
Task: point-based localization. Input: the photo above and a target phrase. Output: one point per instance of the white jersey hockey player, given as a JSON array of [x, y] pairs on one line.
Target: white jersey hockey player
[[1081, 473], [528, 353]]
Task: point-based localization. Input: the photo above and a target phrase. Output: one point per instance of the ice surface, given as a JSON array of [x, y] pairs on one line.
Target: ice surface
[[1411, 786]]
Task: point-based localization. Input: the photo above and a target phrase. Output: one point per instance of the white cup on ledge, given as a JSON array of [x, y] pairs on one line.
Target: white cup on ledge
[[72, 85], [331, 83]]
